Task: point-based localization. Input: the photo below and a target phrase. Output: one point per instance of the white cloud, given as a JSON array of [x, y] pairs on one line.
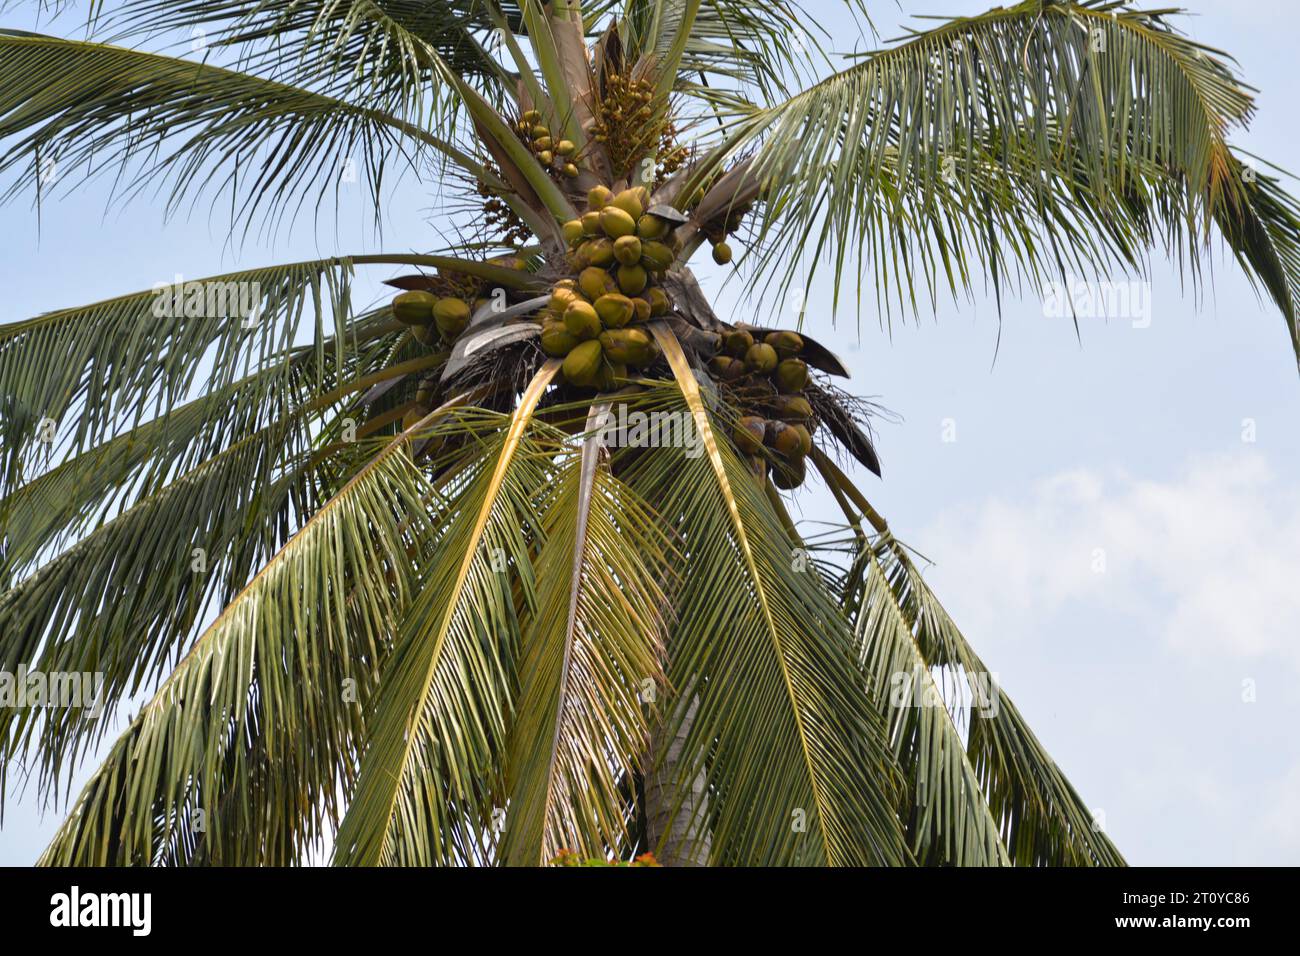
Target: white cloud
[[1209, 561]]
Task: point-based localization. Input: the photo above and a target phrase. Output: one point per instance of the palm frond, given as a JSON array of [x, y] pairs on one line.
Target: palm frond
[[239, 755], [431, 768], [594, 643], [798, 766], [93, 108], [1007, 146]]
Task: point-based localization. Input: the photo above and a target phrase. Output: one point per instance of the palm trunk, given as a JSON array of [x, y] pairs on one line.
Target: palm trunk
[[676, 827]]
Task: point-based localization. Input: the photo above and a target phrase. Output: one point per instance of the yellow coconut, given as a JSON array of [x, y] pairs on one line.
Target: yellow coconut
[[627, 250], [627, 346], [565, 147], [570, 170], [560, 299], [632, 202], [591, 223], [616, 222], [656, 256], [414, 308], [598, 197], [598, 252], [452, 315], [557, 341], [632, 280], [572, 231], [582, 364], [651, 227], [581, 319], [642, 308], [615, 310], [658, 299], [594, 283]]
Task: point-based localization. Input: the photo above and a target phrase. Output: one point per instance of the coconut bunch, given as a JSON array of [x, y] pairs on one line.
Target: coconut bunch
[[618, 252], [556, 155], [766, 378]]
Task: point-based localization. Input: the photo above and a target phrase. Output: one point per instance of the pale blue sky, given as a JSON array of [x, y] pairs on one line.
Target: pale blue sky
[[1130, 442]]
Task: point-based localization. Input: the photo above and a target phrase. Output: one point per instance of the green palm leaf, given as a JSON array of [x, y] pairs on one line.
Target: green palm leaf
[[797, 763], [594, 644]]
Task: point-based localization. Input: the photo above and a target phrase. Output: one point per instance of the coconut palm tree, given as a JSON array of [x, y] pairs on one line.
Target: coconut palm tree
[[460, 620]]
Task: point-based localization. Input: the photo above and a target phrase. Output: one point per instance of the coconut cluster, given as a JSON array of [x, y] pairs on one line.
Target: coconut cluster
[[553, 153], [618, 252], [768, 376]]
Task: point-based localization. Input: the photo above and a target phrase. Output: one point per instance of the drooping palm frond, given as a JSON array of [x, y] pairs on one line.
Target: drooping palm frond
[[994, 145], [96, 108], [1037, 814], [432, 766], [798, 766], [113, 362], [242, 749], [591, 649]]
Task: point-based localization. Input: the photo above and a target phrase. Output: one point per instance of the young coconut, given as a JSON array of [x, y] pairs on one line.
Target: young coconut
[[452, 315], [557, 341], [615, 310], [721, 253], [616, 222], [632, 280], [627, 250], [726, 368], [413, 308], [581, 320], [748, 434], [572, 231], [583, 363], [627, 346], [594, 283], [737, 342], [787, 344], [760, 358], [791, 375]]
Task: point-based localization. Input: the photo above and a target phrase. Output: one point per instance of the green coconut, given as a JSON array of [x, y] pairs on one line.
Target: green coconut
[[581, 320], [787, 344], [760, 357], [632, 280], [452, 315], [615, 310], [582, 364], [616, 222], [737, 342], [791, 375], [414, 308], [721, 253]]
